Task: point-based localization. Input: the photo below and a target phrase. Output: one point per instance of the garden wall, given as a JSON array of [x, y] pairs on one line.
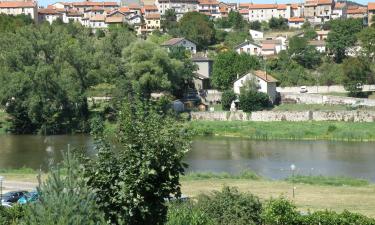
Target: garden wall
[[269, 116], [321, 89], [324, 99]]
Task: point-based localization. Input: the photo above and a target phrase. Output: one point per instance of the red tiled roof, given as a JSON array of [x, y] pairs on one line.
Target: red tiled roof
[[17, 4], [134, 6], [294, 6], [325, 2], [244, 5], [114, 19], [48, 11], [358, 10], [371, 6], [153, 16], [89, 3], [150, 7], [244, 11], [98, 18], [264, 76], [208, 2], [262, 6], [281, 6], [339, 5], [296, 19], [123, 9], [268, 46]]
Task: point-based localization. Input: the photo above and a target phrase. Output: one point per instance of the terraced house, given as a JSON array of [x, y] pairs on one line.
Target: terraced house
[[15, 8], [371, 13], [318, 11]]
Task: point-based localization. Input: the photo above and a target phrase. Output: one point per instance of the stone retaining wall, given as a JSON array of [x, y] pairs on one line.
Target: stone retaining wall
[[324, 99], [269, 116]]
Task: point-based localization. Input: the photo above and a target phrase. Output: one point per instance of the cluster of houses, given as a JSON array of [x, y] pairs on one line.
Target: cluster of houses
[[145, 15]]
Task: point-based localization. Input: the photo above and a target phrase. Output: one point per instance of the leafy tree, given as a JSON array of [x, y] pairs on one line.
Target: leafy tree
[[278, 23], [9, 23], [169, 20], [228, 65], [310, 33], [256, 25], [343, 34], [305, 55], [330, 74], [306, 25], [227, 98], [132, 181], [280, 212], [198, 28], [373, 21], [356, 73], [223, 23], [237, 21], [65, 199], [367, 39], [251, 100], [150, 69]]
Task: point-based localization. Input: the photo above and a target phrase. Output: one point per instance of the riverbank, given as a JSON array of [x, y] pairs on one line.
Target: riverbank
[[360, 199], [285, 130], [4, 124]]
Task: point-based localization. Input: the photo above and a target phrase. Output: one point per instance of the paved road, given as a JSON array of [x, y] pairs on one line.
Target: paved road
[[18, 185]]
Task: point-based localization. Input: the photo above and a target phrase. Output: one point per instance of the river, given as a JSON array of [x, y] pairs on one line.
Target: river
[[271, 159]]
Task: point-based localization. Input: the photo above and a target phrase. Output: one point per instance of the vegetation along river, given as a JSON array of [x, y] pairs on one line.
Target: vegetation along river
[[271, 159]]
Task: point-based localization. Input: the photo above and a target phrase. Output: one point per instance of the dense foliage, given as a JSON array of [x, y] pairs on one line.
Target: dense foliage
[[227, 98], [133, 180], [252, 100]]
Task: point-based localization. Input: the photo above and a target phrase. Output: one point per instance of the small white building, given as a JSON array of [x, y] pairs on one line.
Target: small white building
[[48, 15], [295, 22], [319, 45], [181, 42], [256, 34], [265, 83], [249, 48]]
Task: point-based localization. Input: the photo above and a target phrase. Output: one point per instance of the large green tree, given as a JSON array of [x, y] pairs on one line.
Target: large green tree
[[357, 72], [133, 180], [367, 39], [228, 65], [304, 54], [198, 28], [343, 34]]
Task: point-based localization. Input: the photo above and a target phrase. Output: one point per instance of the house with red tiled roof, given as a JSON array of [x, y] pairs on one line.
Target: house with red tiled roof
[[295, 22], [149, 9], [318, 11], [264, 12], [181, 42], [371, 13], [49, 15], [179, 6], [264, 82], [151, 23], [15, 8], [339, 10], [209, 8], [356, 12]]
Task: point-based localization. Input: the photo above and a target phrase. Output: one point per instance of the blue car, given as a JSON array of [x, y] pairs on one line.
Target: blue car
[[30, 197]]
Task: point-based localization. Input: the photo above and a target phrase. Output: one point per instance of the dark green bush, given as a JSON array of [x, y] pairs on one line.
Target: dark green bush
[[229, 206], [227, 98], [187, 213], [11, 216], [280, 212], [254, 101], [334, 218]]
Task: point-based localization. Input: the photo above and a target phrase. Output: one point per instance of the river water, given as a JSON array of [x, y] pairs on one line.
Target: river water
[[271, 159]]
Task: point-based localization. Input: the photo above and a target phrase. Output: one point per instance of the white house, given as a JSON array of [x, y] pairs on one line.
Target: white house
[[249, 48], [265, 83], [183, 42], [273, 46], [15, 8], [295, 22], [256, 34], [319, 45], [48, 15]]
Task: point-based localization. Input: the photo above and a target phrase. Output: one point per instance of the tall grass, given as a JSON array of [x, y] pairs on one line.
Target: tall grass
[[246, 174], [4, 123], [330, 181], [311, 130], [23, 170]]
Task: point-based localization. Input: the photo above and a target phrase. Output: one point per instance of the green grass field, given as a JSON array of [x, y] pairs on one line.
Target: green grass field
[[344, 131], [310, 107]]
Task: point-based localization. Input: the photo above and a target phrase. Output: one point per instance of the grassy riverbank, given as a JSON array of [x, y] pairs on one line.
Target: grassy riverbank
[[287, 130], [311, 193], [4, 124]]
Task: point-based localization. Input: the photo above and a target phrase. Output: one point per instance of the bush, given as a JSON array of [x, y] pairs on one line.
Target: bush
[[333, 218], [254, 101], [187, 213], [231, 207], [227, 98], [11, 216], [280, 212]]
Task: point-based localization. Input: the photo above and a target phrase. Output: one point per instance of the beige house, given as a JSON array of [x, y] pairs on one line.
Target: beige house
[[17, 8], [265, 83], [181, 42], [295, 22], [179, 6], [249, 47], [48, 15], [152, 22], [318, 11], [209, 7], [371, 12], [356, 12], [264, 12]]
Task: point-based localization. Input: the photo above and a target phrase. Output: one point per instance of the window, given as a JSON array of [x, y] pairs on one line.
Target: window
[[184, 42], [256, 50], [149, 22]]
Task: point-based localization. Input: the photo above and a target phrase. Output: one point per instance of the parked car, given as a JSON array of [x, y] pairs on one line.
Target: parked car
[[29, 197], [13, 196], [6, 204], [303, 89]]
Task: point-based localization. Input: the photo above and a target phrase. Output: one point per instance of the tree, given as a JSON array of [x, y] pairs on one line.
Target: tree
[[234, 38], [343, 34], [305, 55], [150, 69], [65, 199], [367, 39], [169, 20], [227, 98], [278, 23], [133, 181], [228, 65], [251, 100], [237, 21], [310, 33], [357, 72], [256, 25], [9, 23], [198, 28], [373, 21]]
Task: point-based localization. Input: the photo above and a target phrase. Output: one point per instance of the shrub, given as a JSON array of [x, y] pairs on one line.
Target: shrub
[[227, 98], [231, 207], [253, 101], [280, 212], [187, 213], [334, 218], [11, 216]]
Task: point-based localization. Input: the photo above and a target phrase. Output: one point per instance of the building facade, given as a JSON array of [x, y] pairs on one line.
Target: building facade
[[20, 8]]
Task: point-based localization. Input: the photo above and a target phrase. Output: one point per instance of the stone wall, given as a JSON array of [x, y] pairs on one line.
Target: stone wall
[[321, 89], [324, 99], [269, 116]]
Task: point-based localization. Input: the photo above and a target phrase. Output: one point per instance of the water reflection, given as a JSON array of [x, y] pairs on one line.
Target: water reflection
[[268, 158]]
